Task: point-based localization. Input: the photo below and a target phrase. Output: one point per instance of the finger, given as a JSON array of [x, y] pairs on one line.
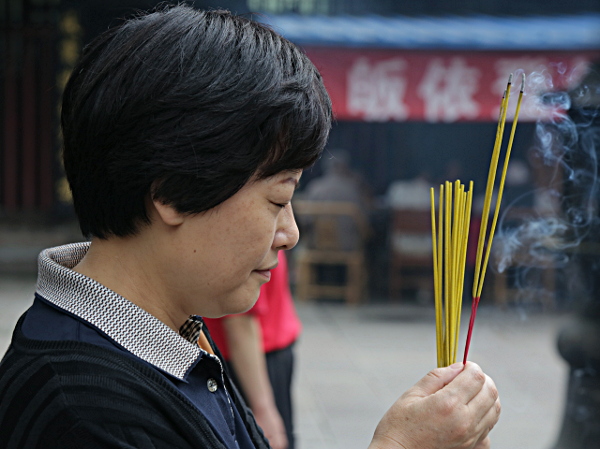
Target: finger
[[486, 399], [468, 384], [487, 423], [484, 444], [492, 416], [435, 380]]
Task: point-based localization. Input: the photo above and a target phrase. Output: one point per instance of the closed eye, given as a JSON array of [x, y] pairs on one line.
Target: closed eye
[[282, 205]]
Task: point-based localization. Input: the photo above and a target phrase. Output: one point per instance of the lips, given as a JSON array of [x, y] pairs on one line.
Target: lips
[[264, 273]]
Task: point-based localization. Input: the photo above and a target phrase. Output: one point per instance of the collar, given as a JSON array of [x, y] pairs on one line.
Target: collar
[[130, 326], [192, 328]]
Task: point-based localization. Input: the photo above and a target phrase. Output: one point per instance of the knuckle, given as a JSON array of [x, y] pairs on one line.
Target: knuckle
[[449, 406], [498, 407], [435, 373], [484, 444], [462, 430], [494, 392], [473, 365], [478, 376]]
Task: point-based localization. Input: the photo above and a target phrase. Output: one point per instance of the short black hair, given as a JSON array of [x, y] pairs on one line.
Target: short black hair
[[186, 106]]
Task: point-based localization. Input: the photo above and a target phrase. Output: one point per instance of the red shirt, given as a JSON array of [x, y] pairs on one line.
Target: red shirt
[[274, 310]]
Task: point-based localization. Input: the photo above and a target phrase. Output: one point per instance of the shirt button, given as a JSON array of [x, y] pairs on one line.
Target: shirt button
[[212, 385]]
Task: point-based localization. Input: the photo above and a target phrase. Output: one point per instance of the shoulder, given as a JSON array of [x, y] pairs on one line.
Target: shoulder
[[77, 370], [91, 397]]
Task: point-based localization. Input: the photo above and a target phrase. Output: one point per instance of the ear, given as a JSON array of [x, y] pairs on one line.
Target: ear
[[167, 213]]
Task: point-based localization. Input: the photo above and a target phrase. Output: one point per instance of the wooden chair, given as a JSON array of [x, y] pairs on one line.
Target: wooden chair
[[325, 247], [411, 260]]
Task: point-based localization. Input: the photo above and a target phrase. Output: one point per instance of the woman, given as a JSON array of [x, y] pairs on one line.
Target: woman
[[185, 135]]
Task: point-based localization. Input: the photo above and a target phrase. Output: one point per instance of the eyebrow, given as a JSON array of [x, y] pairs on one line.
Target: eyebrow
[[291, 180]]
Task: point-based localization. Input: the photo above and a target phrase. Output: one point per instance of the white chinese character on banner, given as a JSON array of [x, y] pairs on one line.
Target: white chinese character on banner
[[447, 92], [376, 91]]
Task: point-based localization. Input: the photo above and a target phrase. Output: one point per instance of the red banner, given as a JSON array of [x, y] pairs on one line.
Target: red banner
[[446, 86]]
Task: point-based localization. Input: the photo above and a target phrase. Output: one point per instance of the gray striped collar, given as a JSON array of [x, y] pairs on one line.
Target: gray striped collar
[[128, 325]]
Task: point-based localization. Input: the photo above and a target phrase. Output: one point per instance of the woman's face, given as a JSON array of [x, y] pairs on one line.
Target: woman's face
[[224, 255]]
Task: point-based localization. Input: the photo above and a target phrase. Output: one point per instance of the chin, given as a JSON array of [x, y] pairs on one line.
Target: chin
[[241, 304]]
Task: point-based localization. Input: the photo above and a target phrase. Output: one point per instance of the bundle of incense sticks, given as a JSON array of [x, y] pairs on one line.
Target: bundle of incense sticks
[[450, 235], [450, 238]]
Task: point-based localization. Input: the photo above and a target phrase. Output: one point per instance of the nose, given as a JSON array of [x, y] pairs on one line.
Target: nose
[[287, 233]]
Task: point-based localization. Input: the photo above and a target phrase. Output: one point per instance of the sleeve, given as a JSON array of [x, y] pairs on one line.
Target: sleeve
[[90, 423], [90, 435], [92, 398]]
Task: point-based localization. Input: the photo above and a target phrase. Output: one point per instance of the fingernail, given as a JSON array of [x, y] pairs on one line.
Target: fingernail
[[456, 365]]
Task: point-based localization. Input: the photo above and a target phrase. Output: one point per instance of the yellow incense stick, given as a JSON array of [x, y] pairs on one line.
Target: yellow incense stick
[[450, 237], [490, 184], [439, 261], [456, 238], [436, 280], [501, 188], [481, 269], [463, 261], [447, 267]]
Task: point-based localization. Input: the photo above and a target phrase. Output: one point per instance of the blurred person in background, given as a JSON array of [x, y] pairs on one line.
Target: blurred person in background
[[185, 134], [258, 349], [411, 193], [339, 182]]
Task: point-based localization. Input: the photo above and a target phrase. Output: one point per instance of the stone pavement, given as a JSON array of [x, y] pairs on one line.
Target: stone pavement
[[352, 363]]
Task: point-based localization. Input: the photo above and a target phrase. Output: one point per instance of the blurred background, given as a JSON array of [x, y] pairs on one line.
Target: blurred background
[[416, 88]]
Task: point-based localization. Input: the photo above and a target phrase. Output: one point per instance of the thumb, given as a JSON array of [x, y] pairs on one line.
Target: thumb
[[436, 379]]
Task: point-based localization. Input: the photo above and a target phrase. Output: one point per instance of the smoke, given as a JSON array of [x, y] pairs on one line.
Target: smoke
[[565, 212]]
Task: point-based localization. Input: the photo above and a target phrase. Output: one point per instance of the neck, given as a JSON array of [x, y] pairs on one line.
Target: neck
[[130, 267]]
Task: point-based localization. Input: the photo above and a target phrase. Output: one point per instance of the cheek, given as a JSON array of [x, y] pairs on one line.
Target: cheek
[[257, 229], [237, 239], [253, 250], [241, 246]]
